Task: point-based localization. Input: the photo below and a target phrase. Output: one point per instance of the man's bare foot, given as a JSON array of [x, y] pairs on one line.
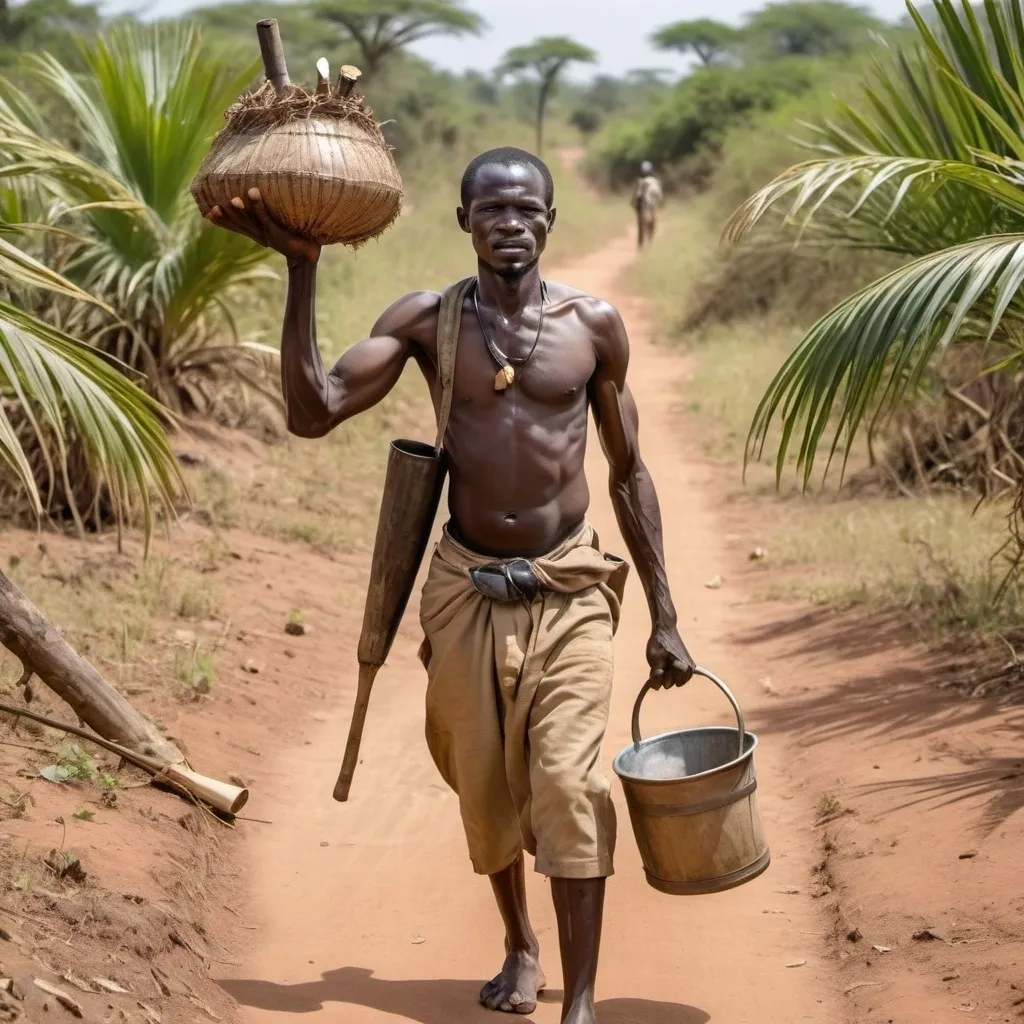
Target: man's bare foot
[[515, 989]]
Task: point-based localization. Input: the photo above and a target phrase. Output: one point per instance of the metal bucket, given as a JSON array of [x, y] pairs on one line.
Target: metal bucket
[[692, 798]]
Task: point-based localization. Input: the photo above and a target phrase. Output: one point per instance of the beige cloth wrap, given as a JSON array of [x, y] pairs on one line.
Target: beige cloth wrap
[[517, 705]]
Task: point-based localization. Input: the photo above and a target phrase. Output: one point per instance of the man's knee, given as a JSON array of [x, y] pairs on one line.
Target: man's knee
[[570, 809]]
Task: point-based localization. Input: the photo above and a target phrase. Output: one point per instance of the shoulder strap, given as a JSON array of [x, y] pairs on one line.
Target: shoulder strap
[[448, 325]]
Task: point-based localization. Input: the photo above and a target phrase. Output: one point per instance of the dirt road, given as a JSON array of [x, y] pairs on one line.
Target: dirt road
[[369, 912]]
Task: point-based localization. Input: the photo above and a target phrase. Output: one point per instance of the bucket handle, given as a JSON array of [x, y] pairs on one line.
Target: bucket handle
[[698, 671]]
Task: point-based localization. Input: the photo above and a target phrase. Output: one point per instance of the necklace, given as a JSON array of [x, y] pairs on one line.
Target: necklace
[[506, 375]]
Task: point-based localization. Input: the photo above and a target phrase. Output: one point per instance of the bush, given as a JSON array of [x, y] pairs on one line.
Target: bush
[[755, 151], [794, 285], [684, 133]]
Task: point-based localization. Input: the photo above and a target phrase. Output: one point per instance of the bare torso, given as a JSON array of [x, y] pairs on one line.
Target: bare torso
[[516, 479]]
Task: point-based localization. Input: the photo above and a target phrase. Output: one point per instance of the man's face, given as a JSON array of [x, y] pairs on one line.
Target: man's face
[[508, 217]]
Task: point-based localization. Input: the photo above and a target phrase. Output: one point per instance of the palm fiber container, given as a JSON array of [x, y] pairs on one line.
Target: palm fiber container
[[319, 159], [692, 798]]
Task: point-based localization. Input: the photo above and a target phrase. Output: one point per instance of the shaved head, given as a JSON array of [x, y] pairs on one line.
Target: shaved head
[[507, 156]]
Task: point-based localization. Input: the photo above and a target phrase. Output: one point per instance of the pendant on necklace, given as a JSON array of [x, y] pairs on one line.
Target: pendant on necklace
[[505, 377]]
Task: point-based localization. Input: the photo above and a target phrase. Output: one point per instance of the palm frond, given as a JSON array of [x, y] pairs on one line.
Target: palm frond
[[142, 115], [872, 186], [870, 349], [929, 164], [22, 270], [63, 385]]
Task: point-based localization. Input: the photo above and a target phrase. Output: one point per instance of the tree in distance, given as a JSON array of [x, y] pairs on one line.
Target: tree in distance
[[544, 59], [381, 28], [706, 39], [809, 28]]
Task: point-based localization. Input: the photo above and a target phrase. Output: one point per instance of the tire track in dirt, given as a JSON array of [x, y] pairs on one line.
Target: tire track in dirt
[[369, 912]]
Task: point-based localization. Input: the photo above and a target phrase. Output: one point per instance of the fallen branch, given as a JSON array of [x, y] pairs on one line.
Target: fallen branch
[[42, 651], [220, 796]]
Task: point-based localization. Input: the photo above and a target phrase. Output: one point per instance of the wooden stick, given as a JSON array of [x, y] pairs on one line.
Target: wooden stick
[[272, 50], [150, 764], [219, 795], [367, 674], [37, 644], [323, 77], [347, 78]]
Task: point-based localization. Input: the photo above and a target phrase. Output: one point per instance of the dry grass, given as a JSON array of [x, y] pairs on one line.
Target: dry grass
[[938, 558], [732, 367], [125, 615], [325, 492]]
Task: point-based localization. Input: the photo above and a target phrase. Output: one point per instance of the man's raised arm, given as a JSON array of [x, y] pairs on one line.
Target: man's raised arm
[[634, 498], [317, 400]]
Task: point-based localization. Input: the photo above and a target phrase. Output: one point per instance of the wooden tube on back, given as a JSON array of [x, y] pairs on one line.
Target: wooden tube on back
[[412, 490]]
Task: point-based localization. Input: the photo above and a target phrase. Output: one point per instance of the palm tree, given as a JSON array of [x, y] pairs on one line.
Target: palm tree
[[931, 168], [141, 119], [56, 389]]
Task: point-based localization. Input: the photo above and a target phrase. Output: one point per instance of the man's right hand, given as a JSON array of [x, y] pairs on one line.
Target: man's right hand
[[249, 217]]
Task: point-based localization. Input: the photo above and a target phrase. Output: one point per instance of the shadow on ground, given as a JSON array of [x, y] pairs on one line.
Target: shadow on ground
[[827, 631], [428, 1001], [897, 703], [999, 779]]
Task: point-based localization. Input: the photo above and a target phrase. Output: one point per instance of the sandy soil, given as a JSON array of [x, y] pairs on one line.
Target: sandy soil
[[892, 808]]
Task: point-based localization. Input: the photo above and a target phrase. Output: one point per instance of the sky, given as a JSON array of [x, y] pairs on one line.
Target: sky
[[617, 30]]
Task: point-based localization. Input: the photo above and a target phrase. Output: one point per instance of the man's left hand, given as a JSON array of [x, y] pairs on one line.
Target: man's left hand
[[670, 661]]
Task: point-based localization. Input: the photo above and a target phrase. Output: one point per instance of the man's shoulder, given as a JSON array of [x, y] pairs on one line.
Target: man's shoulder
[[415, 304], [412, 315], [591, 309]]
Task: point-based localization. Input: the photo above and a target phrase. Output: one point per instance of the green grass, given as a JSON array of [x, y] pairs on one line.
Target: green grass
[[196, 673], [828, 805]]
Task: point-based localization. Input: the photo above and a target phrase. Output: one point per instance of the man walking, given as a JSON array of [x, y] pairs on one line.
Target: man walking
[[647, 198], [521, 602]]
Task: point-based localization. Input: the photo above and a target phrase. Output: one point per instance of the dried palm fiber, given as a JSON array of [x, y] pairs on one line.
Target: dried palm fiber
[[320, 161]]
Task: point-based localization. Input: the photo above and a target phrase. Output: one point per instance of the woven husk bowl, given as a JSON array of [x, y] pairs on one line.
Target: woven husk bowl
[[322, 165]]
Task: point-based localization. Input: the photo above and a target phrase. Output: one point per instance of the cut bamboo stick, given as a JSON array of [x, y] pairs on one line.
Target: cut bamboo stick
[[220, 796], [323, 77], [272, 49], [347, 78]]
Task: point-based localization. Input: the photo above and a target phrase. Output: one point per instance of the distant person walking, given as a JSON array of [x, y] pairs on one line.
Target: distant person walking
[[647, 198]]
